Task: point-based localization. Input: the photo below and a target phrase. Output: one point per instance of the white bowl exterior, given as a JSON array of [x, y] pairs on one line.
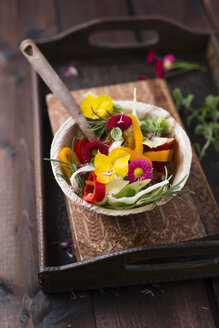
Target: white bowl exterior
[[182, 155]]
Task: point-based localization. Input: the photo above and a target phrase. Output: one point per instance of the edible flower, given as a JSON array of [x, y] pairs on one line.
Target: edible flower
[[100, 105], [119, 121], [142, 78], [106, 167], [92, 148], [168, 62], [139, 170], [159, 69], [71, 70], [136, 153], [65, 155], [167, 66], [79, 148], [94, 191], [151, 56]]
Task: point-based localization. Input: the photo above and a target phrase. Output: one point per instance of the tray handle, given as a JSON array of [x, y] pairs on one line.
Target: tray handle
[[172, 266], [169, 35]]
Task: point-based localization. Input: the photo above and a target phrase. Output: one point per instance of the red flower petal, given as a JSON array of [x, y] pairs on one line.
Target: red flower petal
[[151, 56], [159, 71], [119, 121], [142, 78], [90, 147]]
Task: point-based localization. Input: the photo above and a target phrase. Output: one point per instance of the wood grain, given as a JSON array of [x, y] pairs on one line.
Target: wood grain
[[22, 302], [212, 8], [98, 9], [190, 13], [170, 305], [18, 224]]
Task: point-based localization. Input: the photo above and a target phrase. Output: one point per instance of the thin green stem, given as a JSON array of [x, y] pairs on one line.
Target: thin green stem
[[102, 118]]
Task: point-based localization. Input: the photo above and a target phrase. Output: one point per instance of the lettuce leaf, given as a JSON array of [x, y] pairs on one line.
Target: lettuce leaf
[[158, 125], [115, 202], [132, 189]]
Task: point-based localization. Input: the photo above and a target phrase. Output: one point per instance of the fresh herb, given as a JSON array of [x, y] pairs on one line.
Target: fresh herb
[[117, 109], [156, 126], [116, 134], [99, 127], [205, 120], [72, 167], [101, 117], [162, 192]]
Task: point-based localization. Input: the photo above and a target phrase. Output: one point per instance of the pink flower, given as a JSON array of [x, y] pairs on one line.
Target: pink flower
[[93, 148], [159, 70], [139, 170], [168, 62], [71, 70], [142, 78], [151, 56], [119, 121], [65, 244]]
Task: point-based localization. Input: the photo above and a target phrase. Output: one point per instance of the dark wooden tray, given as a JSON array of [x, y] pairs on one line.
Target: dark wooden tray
[[103, 65]]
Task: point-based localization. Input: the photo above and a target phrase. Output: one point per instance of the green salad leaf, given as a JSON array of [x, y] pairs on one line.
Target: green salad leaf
[[157, 125], [116, 134], [132, 189], [117, 108]]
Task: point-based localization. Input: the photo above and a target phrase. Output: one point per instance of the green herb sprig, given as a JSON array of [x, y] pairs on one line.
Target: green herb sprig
[[99, 125], [72, 167], [205, 119]]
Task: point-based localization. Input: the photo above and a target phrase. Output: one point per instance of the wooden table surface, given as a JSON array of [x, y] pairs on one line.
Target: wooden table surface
[[22, 303]]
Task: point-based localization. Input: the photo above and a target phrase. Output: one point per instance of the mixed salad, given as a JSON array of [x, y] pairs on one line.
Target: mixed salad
[[129, 165]]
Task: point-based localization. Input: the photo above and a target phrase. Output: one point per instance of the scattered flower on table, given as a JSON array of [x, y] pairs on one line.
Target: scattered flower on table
[[65, 244], [159, 68], [70, 70], [167, 66], [142, 78], [168, 62], [147, 291], [151, 56], [69, 254], [74, 296], [205, 308]]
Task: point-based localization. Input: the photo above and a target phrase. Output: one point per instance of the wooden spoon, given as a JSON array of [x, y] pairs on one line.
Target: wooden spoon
[[59, 89]]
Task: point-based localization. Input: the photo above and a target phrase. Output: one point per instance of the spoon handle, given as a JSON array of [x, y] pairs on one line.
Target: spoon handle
[[59, 89]]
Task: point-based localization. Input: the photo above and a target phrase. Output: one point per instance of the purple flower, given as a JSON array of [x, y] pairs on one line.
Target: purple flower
[[93, 148], [168, 62], [65, 244], [139, 170], [151, 56], [119, 121], [71, 70]]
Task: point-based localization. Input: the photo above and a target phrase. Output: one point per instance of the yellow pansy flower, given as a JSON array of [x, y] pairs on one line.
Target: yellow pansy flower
[[100, 105], [106, 167]]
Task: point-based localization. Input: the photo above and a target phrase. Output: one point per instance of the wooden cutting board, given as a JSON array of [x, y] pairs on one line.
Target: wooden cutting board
[[95, 235]]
